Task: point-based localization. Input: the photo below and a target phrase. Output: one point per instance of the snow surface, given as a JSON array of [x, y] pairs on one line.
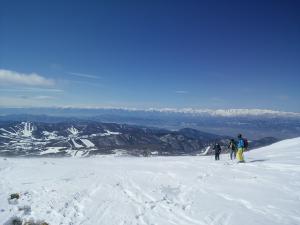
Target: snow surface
[[73, 131], [206, 150], [28, 129], [51, 150], [87, 143], [107, 133], [25, 130], [50, 135], [156, 190]]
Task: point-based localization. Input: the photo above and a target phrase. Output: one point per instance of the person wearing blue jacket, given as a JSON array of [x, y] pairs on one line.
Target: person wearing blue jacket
[[241, 148]]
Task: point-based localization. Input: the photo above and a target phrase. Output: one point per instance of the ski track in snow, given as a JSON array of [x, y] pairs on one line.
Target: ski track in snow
[[159, 190], [87, 143]]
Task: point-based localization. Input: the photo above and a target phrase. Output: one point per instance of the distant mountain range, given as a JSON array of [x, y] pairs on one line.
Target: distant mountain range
[[253, 123], [92, 111], [85, 138]]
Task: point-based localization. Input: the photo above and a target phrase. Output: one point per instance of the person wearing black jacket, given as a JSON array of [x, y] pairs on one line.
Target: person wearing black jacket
[[217, 149], [233, 149]]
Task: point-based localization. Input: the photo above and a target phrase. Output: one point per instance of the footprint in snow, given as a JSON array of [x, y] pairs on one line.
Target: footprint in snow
[[202, 176]]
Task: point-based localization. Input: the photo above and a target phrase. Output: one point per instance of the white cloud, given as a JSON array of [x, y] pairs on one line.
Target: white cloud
[[11, 77], [44, 97], [84, 75]]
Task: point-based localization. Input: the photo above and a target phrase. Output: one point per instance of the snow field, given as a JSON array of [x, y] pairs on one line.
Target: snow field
[[156, 190]]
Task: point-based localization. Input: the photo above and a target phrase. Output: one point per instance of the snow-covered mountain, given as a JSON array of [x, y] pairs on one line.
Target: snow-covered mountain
[[92, 111], [188, 190], [85, 138], [88, 138], [227, 112], [254, 123]]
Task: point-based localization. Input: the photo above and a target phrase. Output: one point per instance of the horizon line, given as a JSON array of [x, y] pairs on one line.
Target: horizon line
[[184, 110]]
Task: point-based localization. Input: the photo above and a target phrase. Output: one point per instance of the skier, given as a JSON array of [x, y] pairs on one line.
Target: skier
[[241, 148], [232, 147], [217, 149]]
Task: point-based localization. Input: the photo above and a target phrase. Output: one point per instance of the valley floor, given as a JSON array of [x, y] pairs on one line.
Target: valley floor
[[159, 190]]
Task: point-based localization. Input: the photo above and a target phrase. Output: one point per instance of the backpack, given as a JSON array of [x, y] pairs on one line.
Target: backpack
[[246, 144], [232, 145]]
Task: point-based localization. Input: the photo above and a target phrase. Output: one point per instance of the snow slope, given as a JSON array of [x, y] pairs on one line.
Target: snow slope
[[73, 131], [28, 129], [87, 143], [157, 190]]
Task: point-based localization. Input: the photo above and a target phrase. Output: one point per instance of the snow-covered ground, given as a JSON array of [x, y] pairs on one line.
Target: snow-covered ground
[[158, 190]]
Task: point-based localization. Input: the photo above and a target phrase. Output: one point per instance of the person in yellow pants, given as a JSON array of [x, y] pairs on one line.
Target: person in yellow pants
[[241, 148], [240, 155]]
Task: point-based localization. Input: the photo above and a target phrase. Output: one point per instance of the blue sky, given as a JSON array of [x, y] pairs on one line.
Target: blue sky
[[141, 54]]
